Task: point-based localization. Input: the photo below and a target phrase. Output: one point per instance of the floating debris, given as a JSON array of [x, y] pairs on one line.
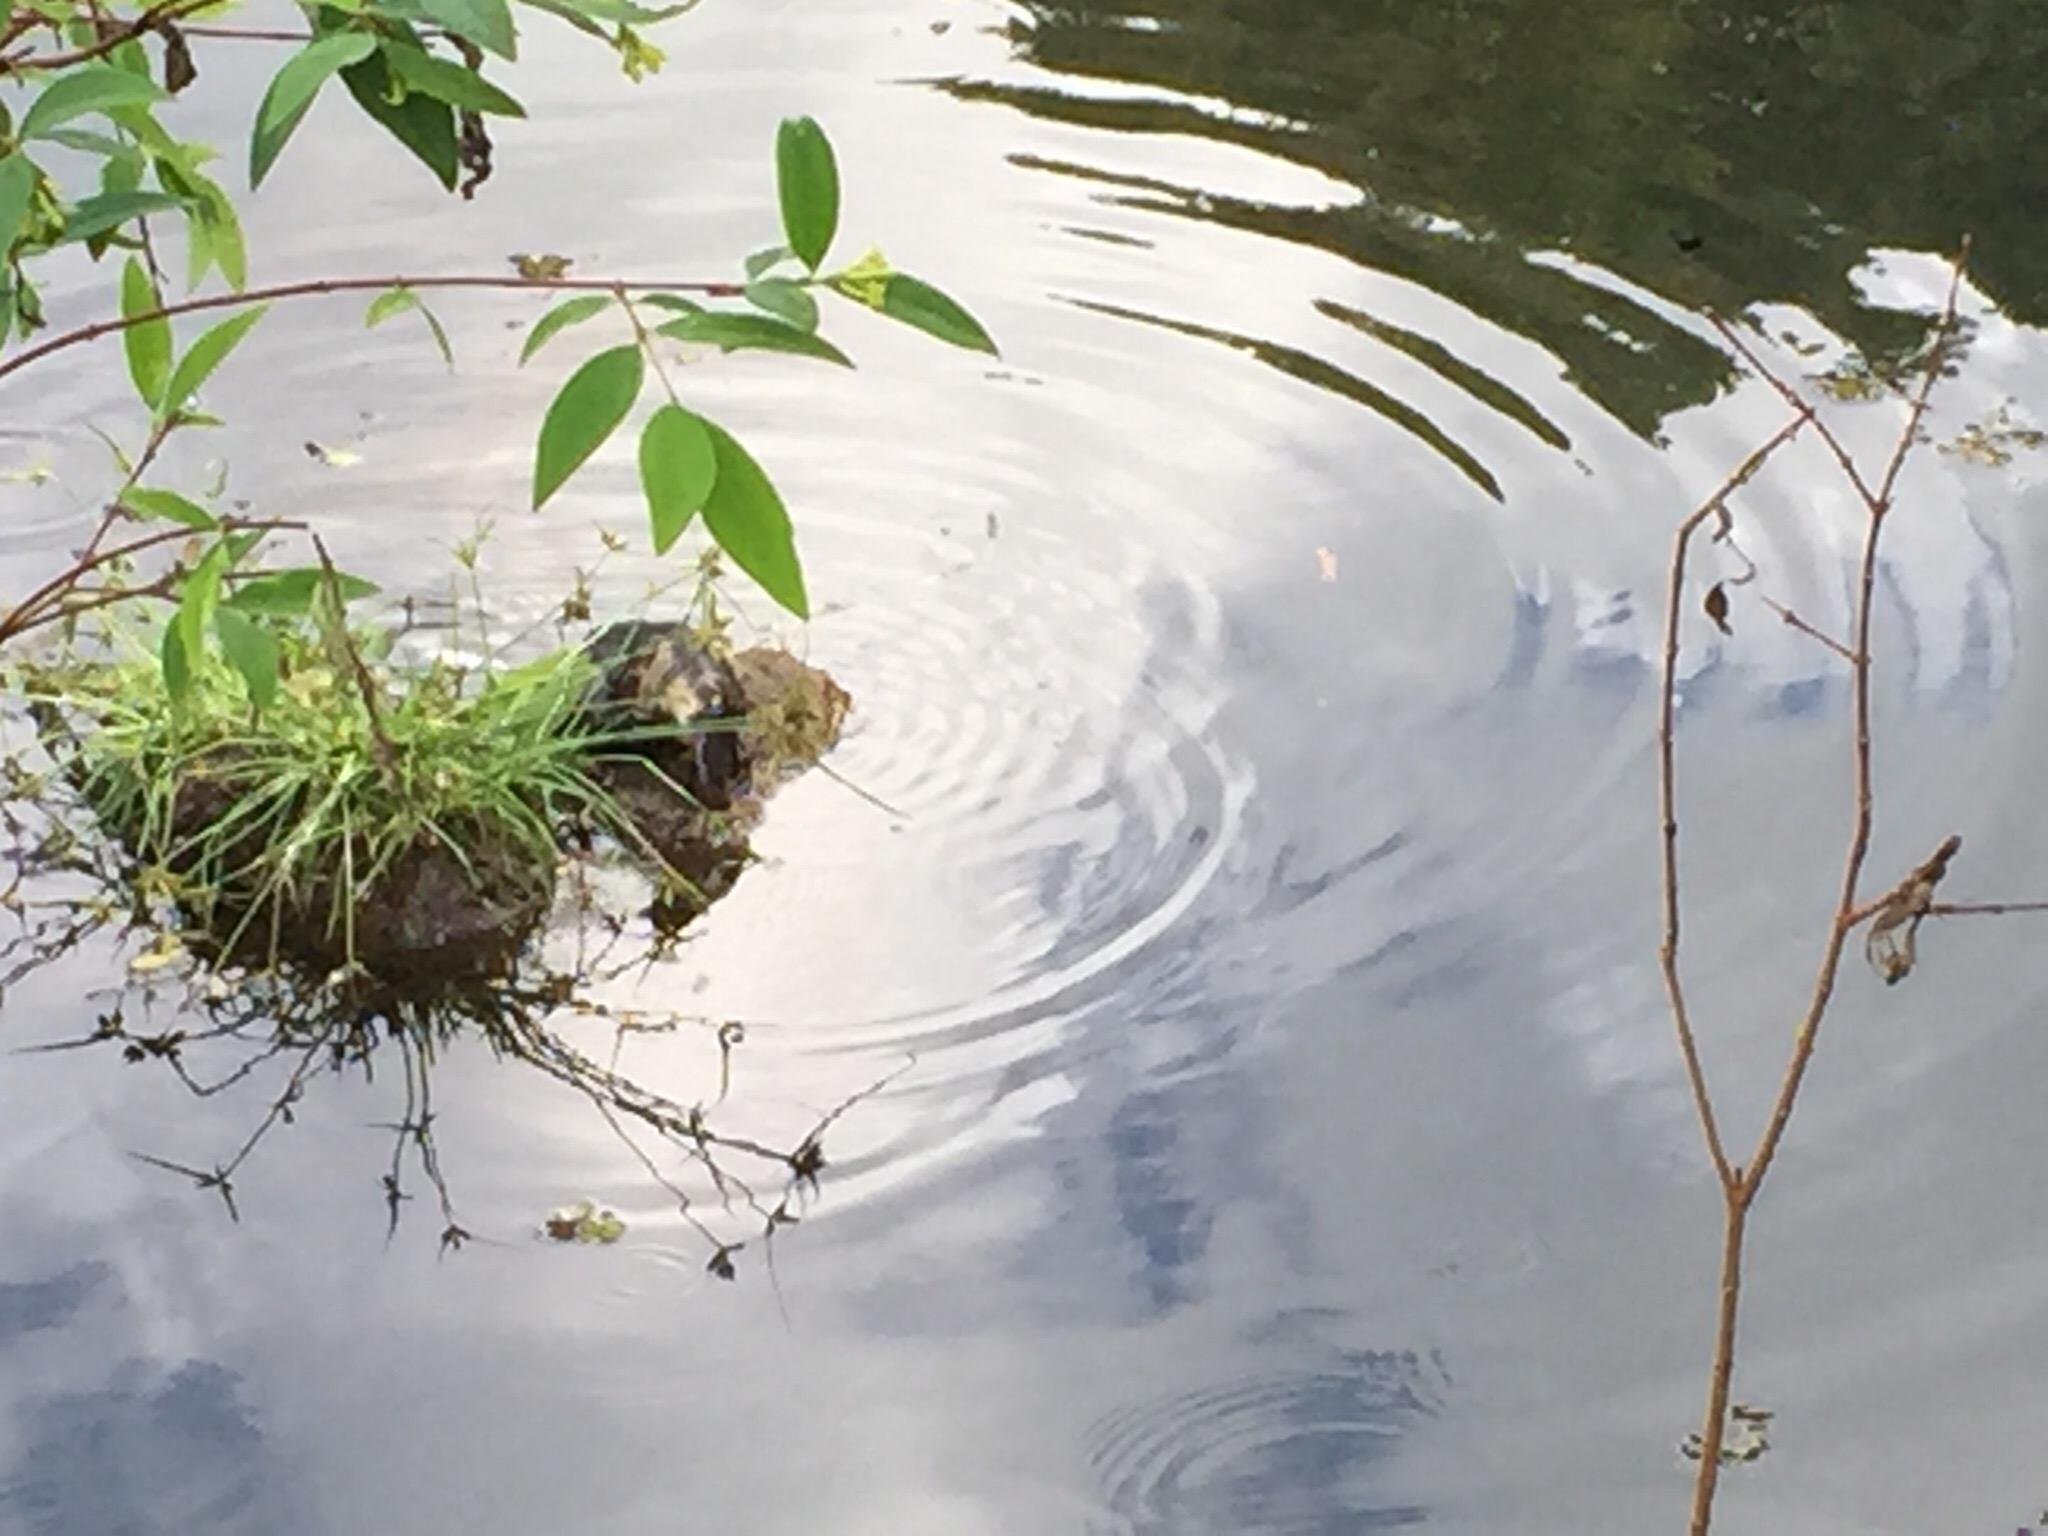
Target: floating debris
[[583, 1222]]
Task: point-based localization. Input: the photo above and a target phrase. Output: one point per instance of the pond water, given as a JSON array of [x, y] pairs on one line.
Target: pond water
[[1257, 664]]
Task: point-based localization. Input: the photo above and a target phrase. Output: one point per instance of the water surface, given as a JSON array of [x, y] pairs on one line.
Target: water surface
[[1257, 663]]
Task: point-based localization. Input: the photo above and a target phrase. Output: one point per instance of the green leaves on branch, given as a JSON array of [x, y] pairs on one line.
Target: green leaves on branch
[[564, 315], [748, 519], [423, 125], [290, 593], [785, 300], [759, 333], [401, 300], [487, 23], [917, 303], [78, 92], [588, 410], [204, 357], [146, 342], [235, 617], [252, 651], [461, 88], [169, 507], [687, 464], [807, 180], [678, 466], [292, 91], [110, 210], [873, 283], [18, 176]]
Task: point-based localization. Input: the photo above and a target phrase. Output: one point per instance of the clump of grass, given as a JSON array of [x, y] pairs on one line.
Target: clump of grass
[[368, 815]]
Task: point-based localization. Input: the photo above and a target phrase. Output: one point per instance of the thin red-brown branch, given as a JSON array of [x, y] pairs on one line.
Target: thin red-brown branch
[[1859, 841], [1796, 401], [1792, 619], [1667, 789], [23, 616], [247, 34], [1720, 1381], [106, 43], [1740, 1191], [329, 285], [1984, 908]]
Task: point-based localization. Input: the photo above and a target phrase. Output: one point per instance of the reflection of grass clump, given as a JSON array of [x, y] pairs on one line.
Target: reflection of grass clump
[[424, 831]]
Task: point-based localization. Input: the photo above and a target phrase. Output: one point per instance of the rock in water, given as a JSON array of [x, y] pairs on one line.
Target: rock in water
[[748, 723]]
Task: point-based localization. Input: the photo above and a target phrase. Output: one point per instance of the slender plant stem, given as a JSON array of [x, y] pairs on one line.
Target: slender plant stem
[[148, 21], [1793, 399], [25, 614], [1667, 790], [329, 285], [366, 685], [1739, 1186], [1720, 1381], [1859, 843], [1793, 621]]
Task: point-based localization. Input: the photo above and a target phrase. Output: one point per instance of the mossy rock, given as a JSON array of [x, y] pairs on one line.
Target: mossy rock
[[759, 717]]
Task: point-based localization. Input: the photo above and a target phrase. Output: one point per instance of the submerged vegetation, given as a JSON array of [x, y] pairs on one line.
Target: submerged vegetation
[[231, 773]]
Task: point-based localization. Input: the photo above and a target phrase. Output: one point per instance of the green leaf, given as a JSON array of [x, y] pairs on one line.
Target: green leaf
[[569, 312], [807, 179], [767, 258], [575, 18], [292, 91], [177, 666], [423, 125], [582, 12], [289, 593], [168, 506], [90, 88], [586, 411], [750, 523], [121, 173], [487, 23], [397, 301], [785, 300], [740, 333], [678, 467], [440, 336], [459, 87], [17, 189], [674, 303], [203, 357], [198, 600], [86, 142], [96, 215], [148, 344], [392, 301], [213, 232], [252, 651], [919, 304]]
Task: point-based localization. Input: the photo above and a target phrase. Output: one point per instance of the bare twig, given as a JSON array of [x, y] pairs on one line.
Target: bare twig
[[1667, 788], [1794, 621], [108, 40], [1984, 908], [1905, 905], [29, 612], [366, 685], [330, 285], [1796, 401]]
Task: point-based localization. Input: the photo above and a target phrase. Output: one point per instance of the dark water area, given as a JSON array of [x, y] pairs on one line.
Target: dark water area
[[1283, 1130]]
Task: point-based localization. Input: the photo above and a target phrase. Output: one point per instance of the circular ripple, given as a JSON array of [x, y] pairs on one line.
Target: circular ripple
[[1269, 1453]]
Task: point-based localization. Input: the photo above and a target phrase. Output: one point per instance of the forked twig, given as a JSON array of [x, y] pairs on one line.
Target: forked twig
[[1894, 917]]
